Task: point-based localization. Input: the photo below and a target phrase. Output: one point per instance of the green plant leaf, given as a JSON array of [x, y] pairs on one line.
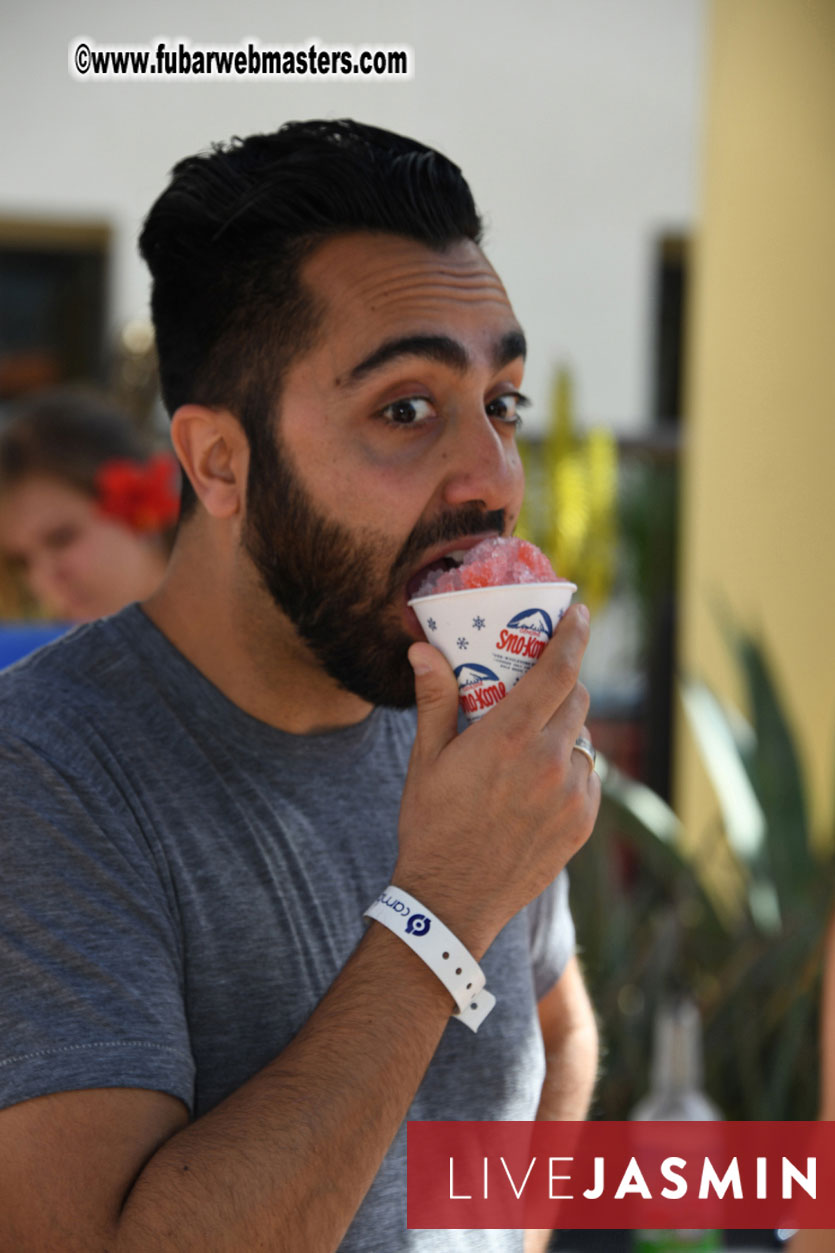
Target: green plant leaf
[[775, 771], [742, 815], [654, 832], [639, 804]]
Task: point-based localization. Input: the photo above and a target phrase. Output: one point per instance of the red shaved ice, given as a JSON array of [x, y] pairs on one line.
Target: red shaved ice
[[494, 562]]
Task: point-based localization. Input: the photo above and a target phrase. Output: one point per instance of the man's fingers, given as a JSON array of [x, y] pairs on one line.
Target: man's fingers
[[559, 737], [585, 754], [540, 693], [436, 693]]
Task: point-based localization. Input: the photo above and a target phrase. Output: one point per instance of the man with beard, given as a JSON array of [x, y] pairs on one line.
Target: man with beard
[[204, 1045]]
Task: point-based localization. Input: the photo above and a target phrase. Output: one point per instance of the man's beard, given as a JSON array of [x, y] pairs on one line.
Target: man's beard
[[331, 583]]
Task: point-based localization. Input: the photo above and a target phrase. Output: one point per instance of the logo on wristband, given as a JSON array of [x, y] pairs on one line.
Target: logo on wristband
[[418, 924]]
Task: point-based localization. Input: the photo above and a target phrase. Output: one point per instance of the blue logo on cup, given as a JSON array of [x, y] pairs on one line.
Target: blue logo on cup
[[418, 924], [470, 674], [526, 634], [478, 687], [536, 620]]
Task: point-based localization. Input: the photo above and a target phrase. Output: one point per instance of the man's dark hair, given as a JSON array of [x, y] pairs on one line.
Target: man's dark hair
[[225, 242]]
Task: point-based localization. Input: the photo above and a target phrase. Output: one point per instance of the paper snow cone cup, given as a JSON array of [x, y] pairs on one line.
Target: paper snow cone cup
[[491, 636]]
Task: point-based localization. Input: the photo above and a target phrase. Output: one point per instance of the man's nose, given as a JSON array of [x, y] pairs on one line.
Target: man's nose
[[483, 465]]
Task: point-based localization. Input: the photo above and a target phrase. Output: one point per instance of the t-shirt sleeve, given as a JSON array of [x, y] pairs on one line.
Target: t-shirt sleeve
[[91, 970], [552, 937]]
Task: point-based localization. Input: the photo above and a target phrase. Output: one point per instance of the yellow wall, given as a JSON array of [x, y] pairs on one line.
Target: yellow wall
[[759, 464]]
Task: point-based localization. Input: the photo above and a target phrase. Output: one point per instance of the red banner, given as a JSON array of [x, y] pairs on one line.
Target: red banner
[[626, 1175]]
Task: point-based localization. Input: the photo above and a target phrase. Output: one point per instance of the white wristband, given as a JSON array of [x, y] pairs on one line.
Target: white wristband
[[435, 944]]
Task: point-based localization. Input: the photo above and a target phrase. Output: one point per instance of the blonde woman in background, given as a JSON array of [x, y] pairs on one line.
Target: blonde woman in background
[[87, 510]]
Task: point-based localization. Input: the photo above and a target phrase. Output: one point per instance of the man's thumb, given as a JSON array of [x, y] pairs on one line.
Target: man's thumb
[[436, 692]]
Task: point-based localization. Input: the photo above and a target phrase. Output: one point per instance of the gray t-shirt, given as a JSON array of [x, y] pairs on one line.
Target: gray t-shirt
[[180, 883]]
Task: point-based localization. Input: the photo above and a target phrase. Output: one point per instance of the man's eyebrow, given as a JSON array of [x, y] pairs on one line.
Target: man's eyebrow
[[508, 348], [435, 348]]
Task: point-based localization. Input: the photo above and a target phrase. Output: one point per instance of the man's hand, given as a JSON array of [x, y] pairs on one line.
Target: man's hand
[[491, 816]]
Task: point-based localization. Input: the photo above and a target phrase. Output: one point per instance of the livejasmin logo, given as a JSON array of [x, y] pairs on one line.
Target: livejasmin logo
[[634, 1175], [632, 1180], [417, 924]]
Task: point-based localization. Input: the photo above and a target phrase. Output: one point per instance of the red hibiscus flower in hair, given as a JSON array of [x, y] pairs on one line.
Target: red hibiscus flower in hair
[[143, 495]]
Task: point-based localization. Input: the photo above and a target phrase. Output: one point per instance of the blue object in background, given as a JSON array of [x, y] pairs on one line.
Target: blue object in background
[[17, 639]]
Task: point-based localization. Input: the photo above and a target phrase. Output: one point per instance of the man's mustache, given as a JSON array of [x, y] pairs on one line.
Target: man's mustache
[[444, 529]]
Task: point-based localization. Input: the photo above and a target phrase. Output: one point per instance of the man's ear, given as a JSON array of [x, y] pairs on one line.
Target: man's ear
[[214, 453]]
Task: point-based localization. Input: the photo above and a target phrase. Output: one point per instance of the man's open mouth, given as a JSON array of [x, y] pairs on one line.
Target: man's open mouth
[[446, 561]]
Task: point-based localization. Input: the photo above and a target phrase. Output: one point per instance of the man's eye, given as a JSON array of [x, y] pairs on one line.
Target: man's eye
[[506, 407], [412, 411]]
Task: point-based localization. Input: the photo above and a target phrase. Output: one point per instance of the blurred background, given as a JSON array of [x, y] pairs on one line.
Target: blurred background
[[659, 190]]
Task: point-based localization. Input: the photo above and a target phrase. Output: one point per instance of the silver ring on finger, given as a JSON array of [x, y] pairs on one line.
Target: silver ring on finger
[[585, 746]]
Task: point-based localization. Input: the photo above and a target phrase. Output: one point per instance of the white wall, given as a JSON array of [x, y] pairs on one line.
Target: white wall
[[576, 122]]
